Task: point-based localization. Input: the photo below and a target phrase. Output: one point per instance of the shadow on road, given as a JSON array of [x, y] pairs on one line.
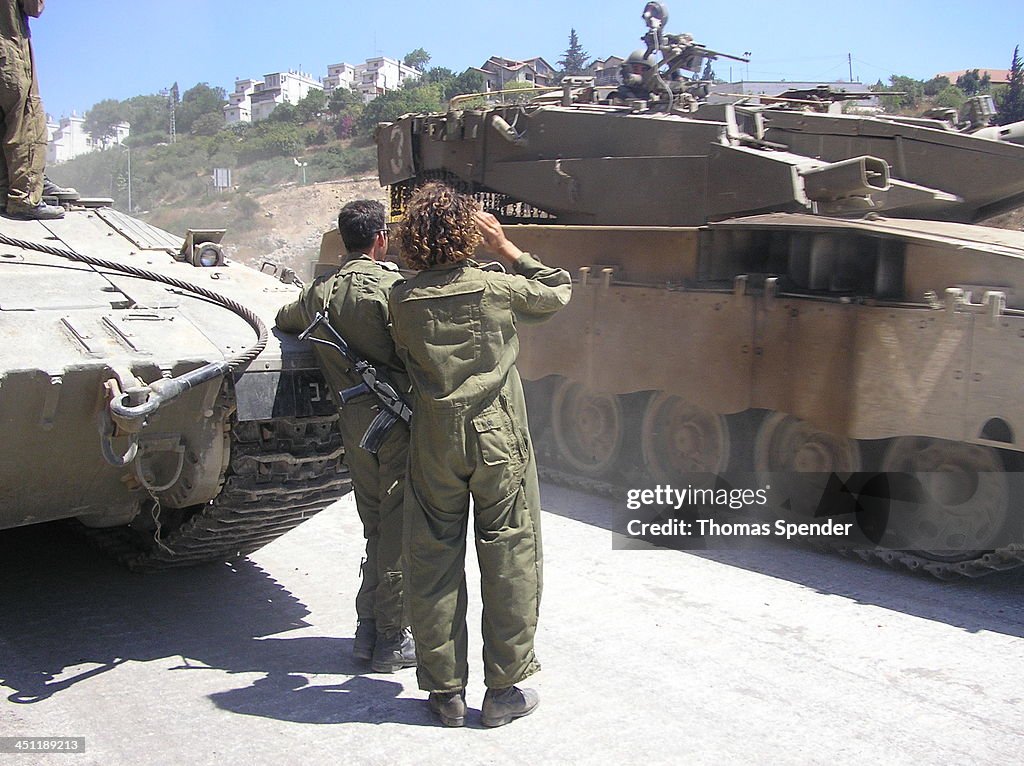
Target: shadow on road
[[70, 615], [992, 603]]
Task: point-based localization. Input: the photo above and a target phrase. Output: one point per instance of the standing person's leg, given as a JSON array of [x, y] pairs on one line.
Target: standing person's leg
[[24, 138], [364, 470], [506, 497], [436, 517], [395, 646]]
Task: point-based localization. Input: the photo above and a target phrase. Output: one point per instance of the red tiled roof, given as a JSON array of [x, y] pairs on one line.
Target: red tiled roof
[[994, 75]]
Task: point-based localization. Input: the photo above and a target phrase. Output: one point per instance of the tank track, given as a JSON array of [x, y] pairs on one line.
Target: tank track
[[986, 563], [281, 473]]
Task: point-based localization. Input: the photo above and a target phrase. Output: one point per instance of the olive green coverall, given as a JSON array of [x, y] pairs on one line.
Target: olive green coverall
[[455, 329], [21, 114], [356, 297]]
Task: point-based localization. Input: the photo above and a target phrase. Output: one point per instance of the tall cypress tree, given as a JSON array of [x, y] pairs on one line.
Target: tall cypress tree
[[575, 59], [1012, 108]]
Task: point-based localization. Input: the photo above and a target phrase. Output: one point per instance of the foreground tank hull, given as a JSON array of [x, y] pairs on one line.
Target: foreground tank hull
[[232, 462]]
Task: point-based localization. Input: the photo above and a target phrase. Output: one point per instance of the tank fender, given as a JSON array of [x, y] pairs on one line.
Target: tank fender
[[264, 395]]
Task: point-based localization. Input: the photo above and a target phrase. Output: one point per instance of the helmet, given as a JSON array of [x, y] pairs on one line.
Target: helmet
[[635, 68]]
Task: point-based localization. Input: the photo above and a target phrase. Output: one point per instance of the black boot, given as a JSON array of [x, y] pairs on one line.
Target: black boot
[[41, 212], [50, 189], [502, 705], [394, 652], [365, 639], [450, 707]]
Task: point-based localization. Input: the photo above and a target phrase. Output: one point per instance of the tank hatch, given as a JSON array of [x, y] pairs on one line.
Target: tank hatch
[[141, 234]]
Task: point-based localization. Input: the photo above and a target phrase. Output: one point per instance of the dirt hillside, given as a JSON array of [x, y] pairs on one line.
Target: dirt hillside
[[287, 229]]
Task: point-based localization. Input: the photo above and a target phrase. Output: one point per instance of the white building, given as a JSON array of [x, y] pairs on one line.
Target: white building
[[339, 76], [254, 100], [69, 139], [239, 106], [378, 75]]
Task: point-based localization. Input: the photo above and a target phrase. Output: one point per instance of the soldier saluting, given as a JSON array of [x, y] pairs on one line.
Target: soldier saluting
[[454, 326]]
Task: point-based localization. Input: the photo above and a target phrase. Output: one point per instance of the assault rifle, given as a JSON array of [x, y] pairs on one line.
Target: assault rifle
[[392, 406]]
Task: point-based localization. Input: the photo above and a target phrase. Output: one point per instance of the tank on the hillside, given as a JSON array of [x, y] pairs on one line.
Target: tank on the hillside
[[746, 301], [142, 394]]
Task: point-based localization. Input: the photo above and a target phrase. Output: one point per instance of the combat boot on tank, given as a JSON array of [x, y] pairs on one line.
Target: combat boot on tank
[[450, 707], [63, 193], [502, 705], [41, 212], [394, 651]]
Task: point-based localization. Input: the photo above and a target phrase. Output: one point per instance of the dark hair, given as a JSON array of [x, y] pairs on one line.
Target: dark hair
[[438, 227], [358, 223]]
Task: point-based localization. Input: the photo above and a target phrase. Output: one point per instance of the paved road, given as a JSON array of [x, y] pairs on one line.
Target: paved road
[[783, 656]]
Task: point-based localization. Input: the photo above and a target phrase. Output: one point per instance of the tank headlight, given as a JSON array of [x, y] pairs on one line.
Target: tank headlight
[[201, 247], [207, 254]]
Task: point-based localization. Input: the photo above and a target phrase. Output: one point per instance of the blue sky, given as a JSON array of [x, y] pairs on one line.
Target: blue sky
[[89, 50]]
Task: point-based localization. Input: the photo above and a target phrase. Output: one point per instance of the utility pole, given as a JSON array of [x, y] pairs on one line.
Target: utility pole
[[172, 103], [849, 60]]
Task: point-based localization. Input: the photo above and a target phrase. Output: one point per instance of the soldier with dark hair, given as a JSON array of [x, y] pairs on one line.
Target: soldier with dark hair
[[355, 300], [22, 120], [454, 325]]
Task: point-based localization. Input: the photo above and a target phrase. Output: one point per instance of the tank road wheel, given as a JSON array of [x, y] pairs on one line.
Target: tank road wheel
[[588, 428], [967, 498], [679, 439], [796, 459]]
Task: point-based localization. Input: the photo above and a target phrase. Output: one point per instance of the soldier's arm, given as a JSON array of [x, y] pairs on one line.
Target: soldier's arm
[[292, 317], [538, 291], [543, 290]]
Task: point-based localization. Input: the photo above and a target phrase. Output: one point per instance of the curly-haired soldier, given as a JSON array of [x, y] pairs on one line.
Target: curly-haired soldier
[[454, 326]]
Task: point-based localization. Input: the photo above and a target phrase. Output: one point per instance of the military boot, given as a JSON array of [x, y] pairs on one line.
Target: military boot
[[365, 639], [502, 705], [450, 707], [41, 212], [394, 651], [50, 189]]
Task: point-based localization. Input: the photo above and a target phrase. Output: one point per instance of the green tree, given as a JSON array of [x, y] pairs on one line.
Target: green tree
[[147, 114], [950, 97], [412, 97], [207, 125], [470, 81], [1011, 105], [973, 82], [575, 59], [283, 112], [907, 93], [195, 102], [708, 75], [438, 74], [102, 120], [936, 85], [311, 106], [345, 107], [417, 59]]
